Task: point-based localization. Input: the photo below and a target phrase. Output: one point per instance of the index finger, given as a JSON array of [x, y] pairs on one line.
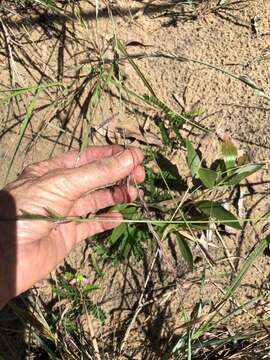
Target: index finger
[[72, 159]]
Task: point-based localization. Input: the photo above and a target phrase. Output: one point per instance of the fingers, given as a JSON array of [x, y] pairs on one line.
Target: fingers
[[103, 198], [138, 175], [84, 230], [101, 173], [72, 159]]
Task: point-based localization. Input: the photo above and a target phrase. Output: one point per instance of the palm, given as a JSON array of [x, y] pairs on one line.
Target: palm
[[70, 186]]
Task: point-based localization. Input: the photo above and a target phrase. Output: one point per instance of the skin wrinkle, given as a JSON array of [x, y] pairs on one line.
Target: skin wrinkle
[[114, 150], [102, 175], [35, 207], [94, 201], [87, 157], [42, 245], [35, 169], [105, 171]]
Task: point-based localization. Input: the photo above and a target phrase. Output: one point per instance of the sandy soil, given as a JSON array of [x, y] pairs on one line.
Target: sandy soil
[[224, 39]]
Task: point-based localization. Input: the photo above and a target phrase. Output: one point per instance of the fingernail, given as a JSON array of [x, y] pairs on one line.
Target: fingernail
[[133, 193]]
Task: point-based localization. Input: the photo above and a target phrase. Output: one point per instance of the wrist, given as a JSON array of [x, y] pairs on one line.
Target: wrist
[[7, 270], [4, 292]]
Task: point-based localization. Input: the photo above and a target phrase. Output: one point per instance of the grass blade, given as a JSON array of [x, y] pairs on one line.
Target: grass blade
[[241, 173], [135, 67], [258, 251], [185, 250], [193, 159], [25, 123], [26, 90]]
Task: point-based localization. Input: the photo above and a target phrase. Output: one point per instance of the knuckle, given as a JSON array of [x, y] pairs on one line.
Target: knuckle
[[34, 169], [29, 169]]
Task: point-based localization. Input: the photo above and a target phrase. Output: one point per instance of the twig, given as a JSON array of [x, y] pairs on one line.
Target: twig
[[10, 55], [92, 334], [227, 252], [140, 304]]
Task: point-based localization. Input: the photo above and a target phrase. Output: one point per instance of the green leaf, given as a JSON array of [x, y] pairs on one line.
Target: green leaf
[[68, 276], [94, 100], [126, 250], [230, 153], [208, 177], [193, 114], [185, 250], [164, 133], [193, 159], [241, 173], [175, 118], [89, 288], [26, 90], [179, 137], [117, 233], [79, 278], [96, 265], [216, 211]]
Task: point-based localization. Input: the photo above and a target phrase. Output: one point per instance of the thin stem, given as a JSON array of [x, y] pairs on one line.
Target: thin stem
[[103, 218]]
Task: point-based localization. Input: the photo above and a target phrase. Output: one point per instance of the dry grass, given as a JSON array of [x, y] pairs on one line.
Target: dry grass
[[56, 83]]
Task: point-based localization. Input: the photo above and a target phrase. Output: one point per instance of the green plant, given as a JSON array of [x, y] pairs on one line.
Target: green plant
[[175, 210], [74, 288]]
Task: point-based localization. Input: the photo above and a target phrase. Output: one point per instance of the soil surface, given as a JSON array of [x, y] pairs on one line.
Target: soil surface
[[37, 49]]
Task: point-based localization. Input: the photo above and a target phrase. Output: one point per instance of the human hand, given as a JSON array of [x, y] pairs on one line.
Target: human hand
[[72, 186]]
